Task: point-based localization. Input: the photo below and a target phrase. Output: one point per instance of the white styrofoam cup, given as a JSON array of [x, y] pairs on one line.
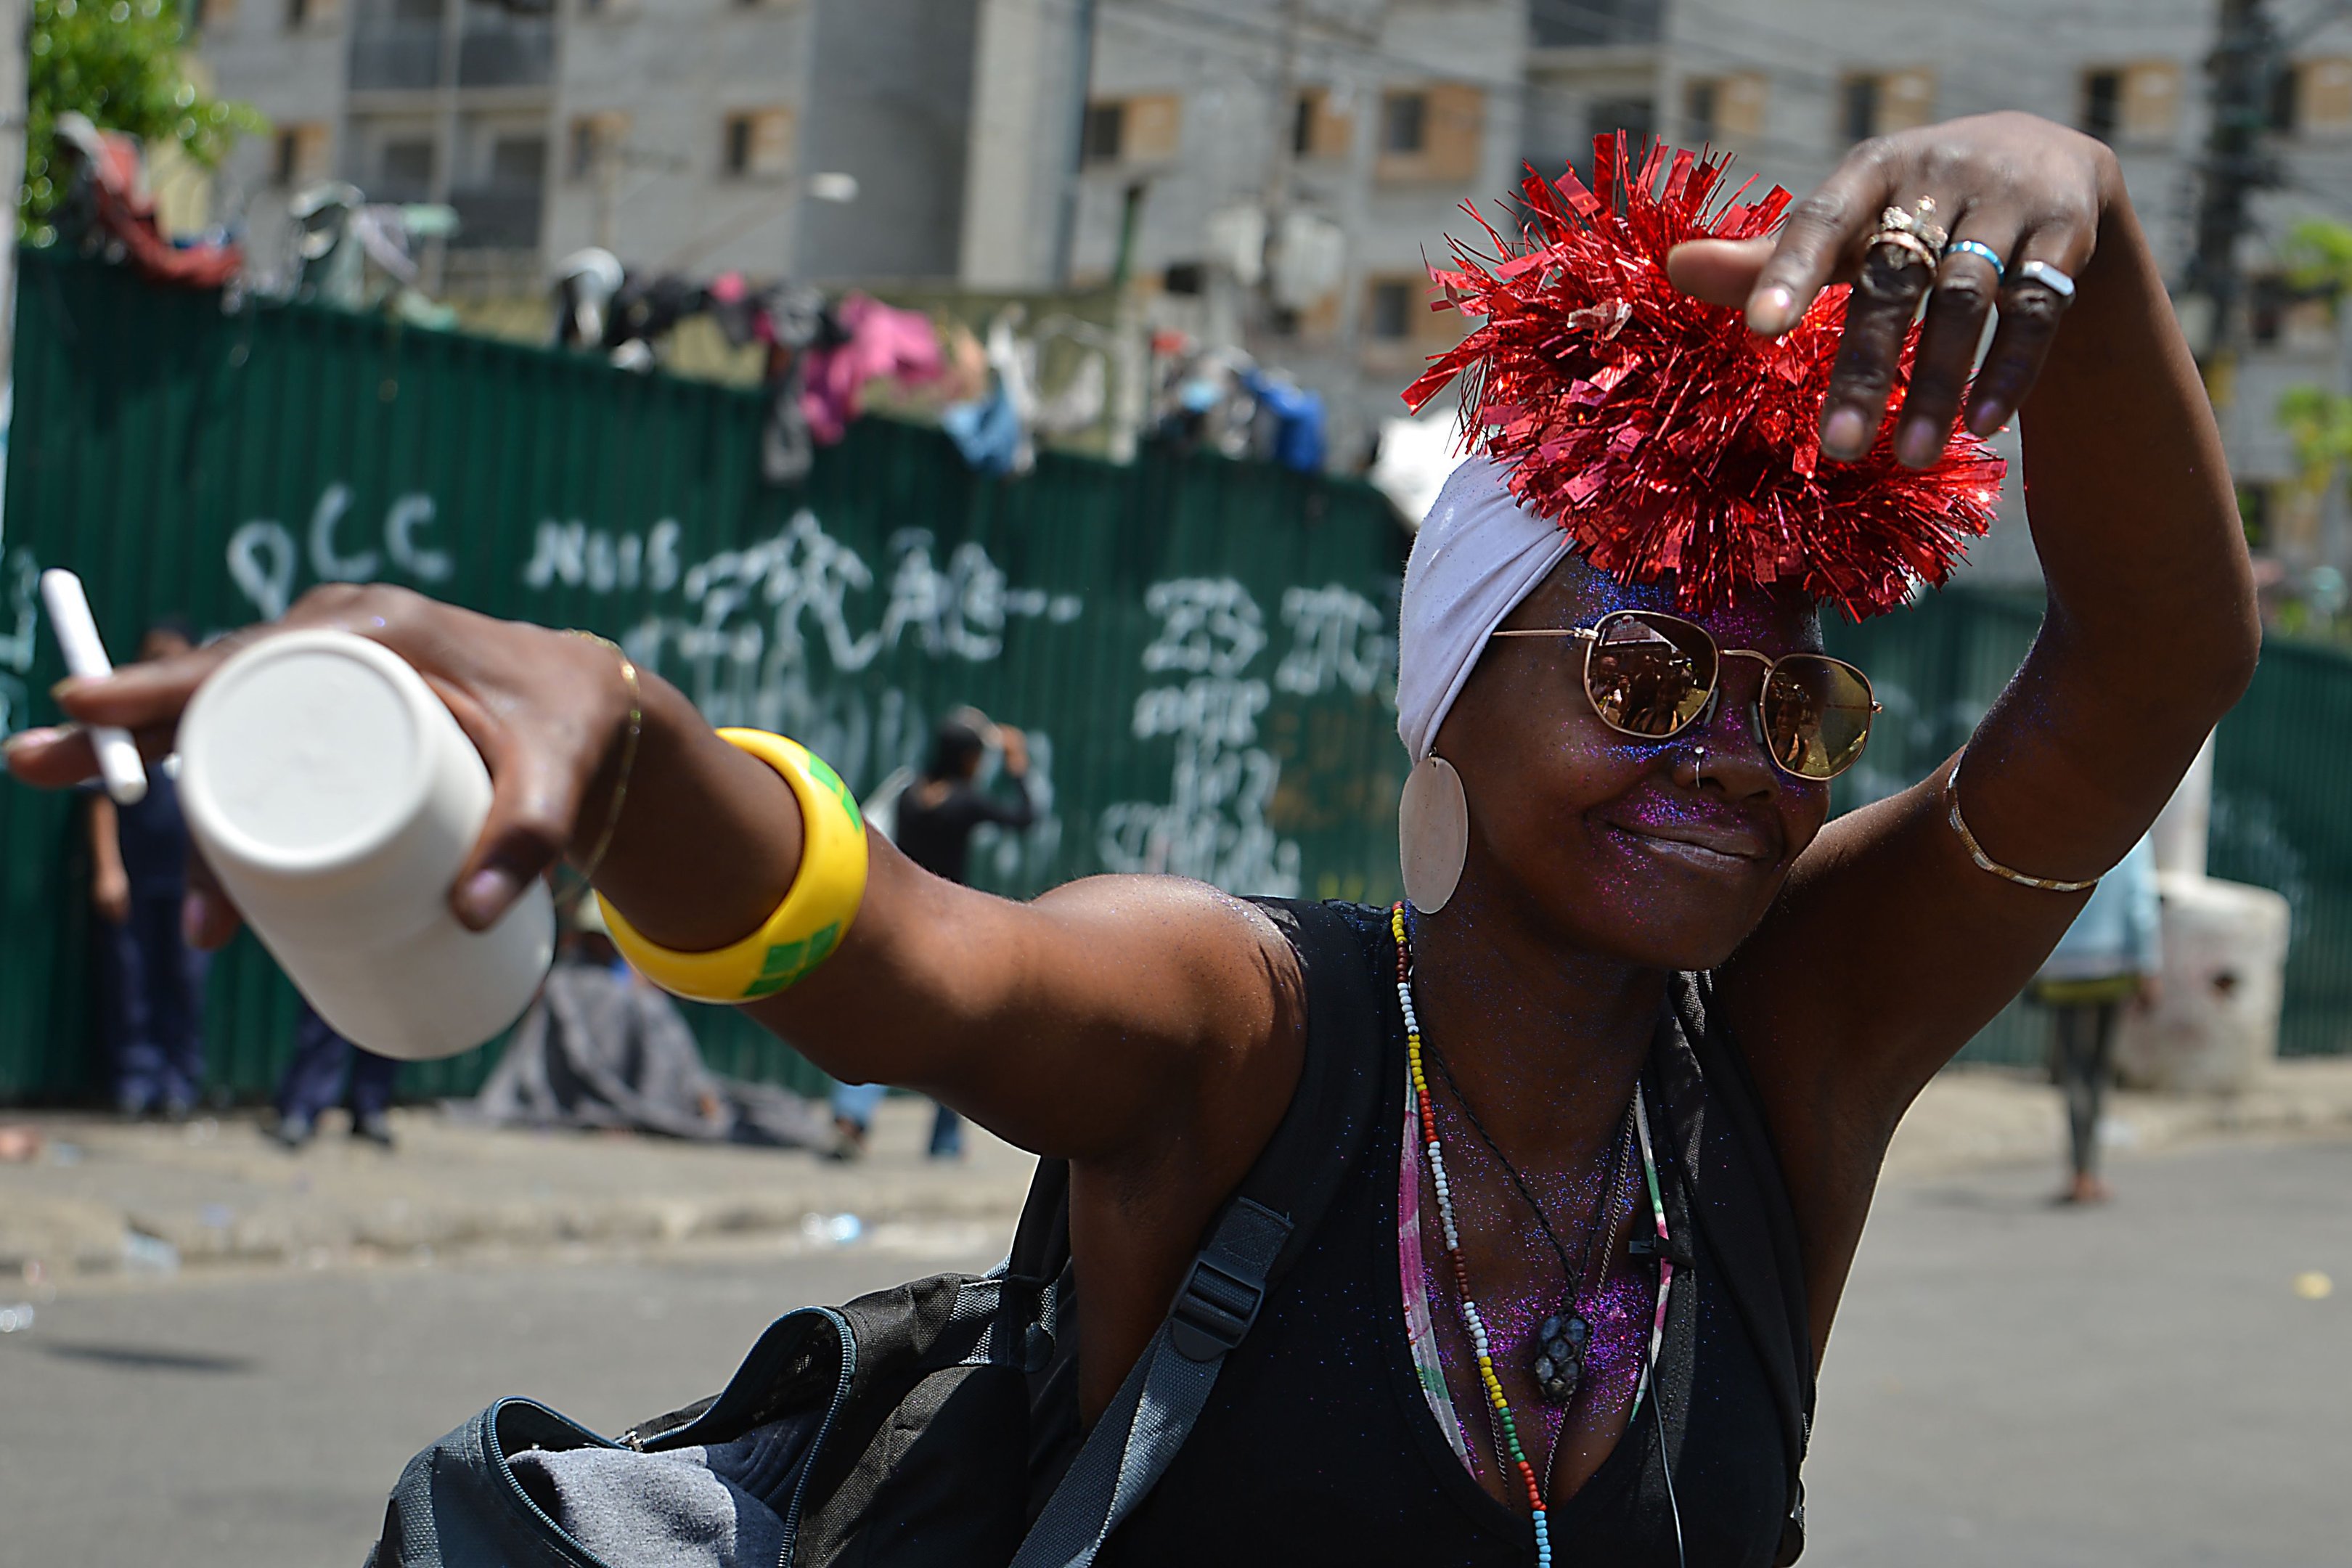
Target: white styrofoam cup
[[336, 798]]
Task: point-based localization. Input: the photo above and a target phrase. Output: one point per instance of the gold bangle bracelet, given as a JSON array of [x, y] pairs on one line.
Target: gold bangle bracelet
[[1986, 862], [589, 867]]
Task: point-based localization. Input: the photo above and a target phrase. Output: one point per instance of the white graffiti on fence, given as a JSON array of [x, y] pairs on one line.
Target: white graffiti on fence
[[574, 555], [1338, 638], [1212, 827], [742, 647], [16, 647], [264, 563]]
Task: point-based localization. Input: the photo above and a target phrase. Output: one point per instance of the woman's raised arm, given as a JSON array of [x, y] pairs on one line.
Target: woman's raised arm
[[1889, 946]]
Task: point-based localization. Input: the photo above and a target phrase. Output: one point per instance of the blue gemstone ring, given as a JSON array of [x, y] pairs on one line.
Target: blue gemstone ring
[[1978, 247]]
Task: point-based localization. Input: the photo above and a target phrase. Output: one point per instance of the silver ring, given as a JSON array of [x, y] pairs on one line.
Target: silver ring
[[2049, 276], [1983, 252]]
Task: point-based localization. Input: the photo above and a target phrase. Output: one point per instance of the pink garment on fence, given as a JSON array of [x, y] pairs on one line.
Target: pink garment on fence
[[881, 342]]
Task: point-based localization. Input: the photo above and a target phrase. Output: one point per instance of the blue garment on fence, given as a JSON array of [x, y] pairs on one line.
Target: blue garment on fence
[[1299, 423], [987, 431], [2117, 932]]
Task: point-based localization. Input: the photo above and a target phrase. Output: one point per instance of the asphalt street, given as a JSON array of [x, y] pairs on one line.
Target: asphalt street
[[2008, 1383]]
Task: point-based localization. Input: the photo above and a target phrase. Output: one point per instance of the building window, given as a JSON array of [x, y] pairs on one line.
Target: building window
[[758, 144], [2317, 97], [1390, 311], [404, 170], [1878, 103], [1105, 131], [1723, 109], [1636, 117], [594, 137], [1700, 105], [1143, 128], [1317, 129], [2102, 103], [517, 164], [1436, 133], [1594, 24], [300, 157], [1405, 123], [2132, 104]]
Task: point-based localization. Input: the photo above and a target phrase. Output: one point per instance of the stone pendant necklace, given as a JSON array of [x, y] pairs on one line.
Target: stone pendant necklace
[[1564, 1338]]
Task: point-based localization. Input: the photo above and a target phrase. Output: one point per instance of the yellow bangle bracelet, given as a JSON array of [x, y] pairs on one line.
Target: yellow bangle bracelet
[[816, 913]]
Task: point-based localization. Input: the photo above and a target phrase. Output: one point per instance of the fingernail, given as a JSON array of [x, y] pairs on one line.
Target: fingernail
[[1846, 436], [1914, 445], [485, 896], [1989, 416], [195, 917], [24, 739], [1770, 311]]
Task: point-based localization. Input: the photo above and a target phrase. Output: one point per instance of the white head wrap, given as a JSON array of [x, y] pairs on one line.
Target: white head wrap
[[1478, 553]]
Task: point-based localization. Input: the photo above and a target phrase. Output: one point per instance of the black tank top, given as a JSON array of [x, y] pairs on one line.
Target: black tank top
[[1317, 1444]]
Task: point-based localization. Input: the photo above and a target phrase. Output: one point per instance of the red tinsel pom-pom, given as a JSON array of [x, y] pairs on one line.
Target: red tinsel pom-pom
[[1659, 432]]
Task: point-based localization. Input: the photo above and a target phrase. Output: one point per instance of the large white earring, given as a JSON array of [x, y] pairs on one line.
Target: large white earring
[[1432, 833]]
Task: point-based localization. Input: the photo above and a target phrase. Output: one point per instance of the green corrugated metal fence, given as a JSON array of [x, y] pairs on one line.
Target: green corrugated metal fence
[[1203, 651], [2282, 813]]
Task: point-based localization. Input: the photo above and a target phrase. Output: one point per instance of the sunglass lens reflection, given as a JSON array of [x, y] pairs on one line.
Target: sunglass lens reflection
[[1649, 676], [1816, 715]]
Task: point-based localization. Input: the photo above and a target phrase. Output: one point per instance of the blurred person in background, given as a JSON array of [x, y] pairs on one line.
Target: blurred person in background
[[933, 820], [314, 1083], [2111, 955], [153, 979]]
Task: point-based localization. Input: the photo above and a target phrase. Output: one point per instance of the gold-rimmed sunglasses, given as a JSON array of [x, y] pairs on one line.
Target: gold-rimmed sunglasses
[[1654, 676]]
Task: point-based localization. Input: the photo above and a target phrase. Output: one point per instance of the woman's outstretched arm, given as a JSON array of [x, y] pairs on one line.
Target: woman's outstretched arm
[[1108, 1021]]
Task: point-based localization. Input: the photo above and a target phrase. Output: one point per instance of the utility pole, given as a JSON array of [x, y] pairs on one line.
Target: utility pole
[[1273, 195], [1065, 237], [2244, 70]]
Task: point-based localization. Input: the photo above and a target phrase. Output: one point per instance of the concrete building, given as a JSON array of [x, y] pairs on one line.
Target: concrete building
[[1266, 173], [689, 134], [1790, 85]]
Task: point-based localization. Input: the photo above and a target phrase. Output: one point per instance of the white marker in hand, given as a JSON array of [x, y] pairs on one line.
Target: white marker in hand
[[69, 617]]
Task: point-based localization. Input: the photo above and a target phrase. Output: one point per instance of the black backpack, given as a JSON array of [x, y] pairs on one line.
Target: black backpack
[[936, 1424]]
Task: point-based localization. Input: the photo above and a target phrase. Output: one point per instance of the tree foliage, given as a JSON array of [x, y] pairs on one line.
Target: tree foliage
[[2318, 419], [119, 62]]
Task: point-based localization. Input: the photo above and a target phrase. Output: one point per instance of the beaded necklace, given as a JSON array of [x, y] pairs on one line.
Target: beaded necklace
[[1474, 1324]]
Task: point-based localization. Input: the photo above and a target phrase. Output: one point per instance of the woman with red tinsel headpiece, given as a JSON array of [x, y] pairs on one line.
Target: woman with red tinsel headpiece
[[1596, 1113]]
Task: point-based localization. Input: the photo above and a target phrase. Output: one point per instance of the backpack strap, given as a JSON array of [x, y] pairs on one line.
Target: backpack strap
[[1739, 1201], [1260, 1231]]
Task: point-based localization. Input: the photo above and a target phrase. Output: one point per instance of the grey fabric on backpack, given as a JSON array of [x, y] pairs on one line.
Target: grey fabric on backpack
[[718, 1506]]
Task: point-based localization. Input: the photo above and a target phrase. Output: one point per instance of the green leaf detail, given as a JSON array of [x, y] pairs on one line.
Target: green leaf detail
[[788, 961]]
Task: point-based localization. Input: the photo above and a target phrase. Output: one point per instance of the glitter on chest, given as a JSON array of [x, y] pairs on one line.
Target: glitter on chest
[[1619, 1307]]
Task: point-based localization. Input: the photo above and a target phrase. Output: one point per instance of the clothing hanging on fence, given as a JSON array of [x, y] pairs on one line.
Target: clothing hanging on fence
[[106, 209], [994, 433], [1296, 416], [876, 343]]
